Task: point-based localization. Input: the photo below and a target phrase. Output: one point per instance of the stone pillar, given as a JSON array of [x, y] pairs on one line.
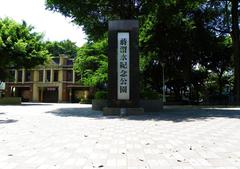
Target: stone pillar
[[52, 75], [35, 75], [60, 93], [35, 93], [73, 77], [44, 75], [61, 60], [123, 68], [70, 95], [16, 76], [60, 75], [64, 93], [23, 75]]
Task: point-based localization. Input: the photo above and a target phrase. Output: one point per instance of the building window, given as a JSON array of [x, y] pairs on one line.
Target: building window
[[40, 79], [55, 78], [48, 73], [19, 79], [28, 76], [69, 62], [69, 75]]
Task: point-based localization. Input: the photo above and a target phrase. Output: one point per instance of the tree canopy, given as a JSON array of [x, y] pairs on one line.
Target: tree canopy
[[66, 47], [94, 15], [20, 46], [197, 40], [91, 63]]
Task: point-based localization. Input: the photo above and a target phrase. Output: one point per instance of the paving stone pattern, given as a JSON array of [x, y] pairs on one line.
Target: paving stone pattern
[[72, 136]]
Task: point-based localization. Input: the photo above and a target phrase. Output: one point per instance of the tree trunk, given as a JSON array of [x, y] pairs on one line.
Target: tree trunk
[[220, 83], [236, 51]]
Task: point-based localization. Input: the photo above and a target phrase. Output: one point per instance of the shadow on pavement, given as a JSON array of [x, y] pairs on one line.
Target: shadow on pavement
[[76, 112], [8, 121], [170, 114], [189, 115]]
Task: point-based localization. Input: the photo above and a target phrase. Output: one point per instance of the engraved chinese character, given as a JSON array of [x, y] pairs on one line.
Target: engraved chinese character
[[123, 42], [123, 65], [123, 81], [123, 49], [123, 57], [123, 89], [123, 73]]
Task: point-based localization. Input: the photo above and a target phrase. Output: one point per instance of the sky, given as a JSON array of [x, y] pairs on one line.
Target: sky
[[53, 25]]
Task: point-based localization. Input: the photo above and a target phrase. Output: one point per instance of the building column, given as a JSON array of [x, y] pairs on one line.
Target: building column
[[23, 75], [44, 75], [35, 76], [51, 75], [73, 76], [60, 75], [15, 76], [60, 93], [35, 93], [70, 95]]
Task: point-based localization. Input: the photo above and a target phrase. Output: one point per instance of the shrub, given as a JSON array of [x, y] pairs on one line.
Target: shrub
[[218, 99], [149, 95], [10, 101], [101, 95], [85, 101]]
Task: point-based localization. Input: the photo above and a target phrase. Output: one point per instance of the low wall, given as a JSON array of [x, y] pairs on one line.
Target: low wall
[[10, 101], [99, 104], [151, 105]]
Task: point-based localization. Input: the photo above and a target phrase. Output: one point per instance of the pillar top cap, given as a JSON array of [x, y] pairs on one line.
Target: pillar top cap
[[123, 25]]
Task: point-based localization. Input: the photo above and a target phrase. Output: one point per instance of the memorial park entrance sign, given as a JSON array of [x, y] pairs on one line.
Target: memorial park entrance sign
[[123, 68]]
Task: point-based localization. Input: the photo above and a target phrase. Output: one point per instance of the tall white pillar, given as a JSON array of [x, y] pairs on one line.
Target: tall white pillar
[[73, 76], [23, 75], [44, 75], [51, 75], [15, 76], [60, 93]]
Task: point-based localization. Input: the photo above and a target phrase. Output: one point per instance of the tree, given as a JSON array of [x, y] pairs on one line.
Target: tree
[[66, 47], [94, 15], [91, 63], [180, 33], [20, 46], [169, 34], [236, 47], [225, 21]]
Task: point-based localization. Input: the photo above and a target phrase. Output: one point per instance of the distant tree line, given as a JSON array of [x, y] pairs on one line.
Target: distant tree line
[[21, 47]]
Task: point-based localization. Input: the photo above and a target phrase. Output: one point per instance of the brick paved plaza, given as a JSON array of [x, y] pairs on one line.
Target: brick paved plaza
[[71, 136]]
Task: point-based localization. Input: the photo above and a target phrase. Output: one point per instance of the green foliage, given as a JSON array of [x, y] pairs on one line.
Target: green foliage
[[150, 95], [94, 15], [85, 101], [101, 95], [181, 34], [176, 34], [10, 101], [65, 47], [91, 63], [20, 46]]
